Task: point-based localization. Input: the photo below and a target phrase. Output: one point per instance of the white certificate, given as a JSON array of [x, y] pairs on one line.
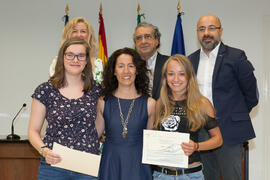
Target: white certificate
[[164, 148], [77, 161]]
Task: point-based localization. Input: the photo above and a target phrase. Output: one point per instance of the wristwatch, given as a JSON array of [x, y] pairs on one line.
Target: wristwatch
[[41, 150]]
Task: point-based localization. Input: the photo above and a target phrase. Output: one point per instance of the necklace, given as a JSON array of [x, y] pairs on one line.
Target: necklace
[[125, 122]]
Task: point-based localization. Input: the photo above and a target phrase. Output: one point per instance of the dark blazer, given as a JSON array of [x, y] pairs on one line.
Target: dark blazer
[[161, 59], [235, 93]]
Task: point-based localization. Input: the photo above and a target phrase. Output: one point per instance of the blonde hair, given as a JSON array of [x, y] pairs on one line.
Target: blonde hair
[[67, 31], [194, 107]]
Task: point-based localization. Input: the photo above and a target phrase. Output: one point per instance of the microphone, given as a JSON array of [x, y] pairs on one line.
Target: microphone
[[13, 136]]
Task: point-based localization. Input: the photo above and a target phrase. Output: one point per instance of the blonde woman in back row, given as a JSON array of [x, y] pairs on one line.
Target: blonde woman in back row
[[80, 27]]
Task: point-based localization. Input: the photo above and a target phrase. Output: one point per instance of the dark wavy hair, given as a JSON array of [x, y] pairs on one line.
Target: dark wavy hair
[[110, 82], [58, 80]]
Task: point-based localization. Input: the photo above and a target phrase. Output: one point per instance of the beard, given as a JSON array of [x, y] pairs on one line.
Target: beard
[[209, 46]]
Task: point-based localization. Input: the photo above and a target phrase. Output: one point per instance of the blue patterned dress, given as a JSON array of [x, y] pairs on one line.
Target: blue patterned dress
[[71, 122]]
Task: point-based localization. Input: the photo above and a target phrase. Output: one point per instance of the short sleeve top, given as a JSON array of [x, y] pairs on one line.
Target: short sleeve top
[[178, 122], [71, 122]]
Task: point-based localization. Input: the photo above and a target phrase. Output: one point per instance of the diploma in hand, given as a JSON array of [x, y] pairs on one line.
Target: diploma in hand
[[77, 161], [164, 148]]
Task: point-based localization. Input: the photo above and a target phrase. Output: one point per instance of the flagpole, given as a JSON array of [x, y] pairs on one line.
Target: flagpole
[[139, 9], [138, 14], [178, 7], [100, 9], [66, 17]]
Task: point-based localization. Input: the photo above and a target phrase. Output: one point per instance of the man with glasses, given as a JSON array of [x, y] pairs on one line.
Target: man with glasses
[[147, 41], [226, 78]]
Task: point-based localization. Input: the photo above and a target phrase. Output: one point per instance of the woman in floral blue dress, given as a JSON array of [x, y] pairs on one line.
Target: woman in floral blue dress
[[68, 103]]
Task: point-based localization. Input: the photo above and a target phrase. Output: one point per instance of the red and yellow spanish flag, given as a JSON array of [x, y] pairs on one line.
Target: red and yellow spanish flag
[[102, 45]]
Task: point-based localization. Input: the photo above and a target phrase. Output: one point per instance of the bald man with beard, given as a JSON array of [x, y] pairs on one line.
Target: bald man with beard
[[226, 78]]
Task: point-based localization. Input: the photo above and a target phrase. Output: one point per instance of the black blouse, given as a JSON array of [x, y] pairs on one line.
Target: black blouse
[[178, 122]]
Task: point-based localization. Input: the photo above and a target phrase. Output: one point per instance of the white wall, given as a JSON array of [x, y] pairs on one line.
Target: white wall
[[31, 30], [265, 95]]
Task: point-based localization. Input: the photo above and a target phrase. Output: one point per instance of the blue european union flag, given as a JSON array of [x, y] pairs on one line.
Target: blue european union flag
[[178, 46]]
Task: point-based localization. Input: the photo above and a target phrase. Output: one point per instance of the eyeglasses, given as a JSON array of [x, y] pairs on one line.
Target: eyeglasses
[[145, 36], [71, 56], [211, 28]]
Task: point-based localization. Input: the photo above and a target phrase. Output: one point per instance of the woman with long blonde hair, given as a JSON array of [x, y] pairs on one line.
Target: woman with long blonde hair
[[182, 108]]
